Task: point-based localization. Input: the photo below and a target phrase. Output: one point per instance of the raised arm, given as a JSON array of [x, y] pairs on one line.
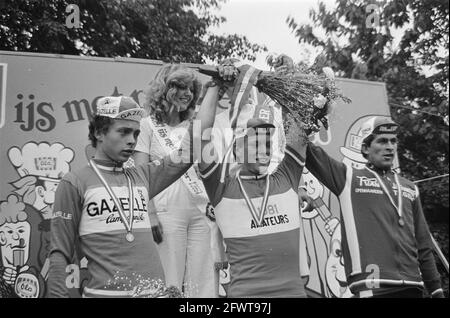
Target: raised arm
[[207, 112], [142, 150], [205, 118], [327, 170]]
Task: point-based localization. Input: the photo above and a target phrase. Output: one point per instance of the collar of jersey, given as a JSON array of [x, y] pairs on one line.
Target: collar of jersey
[[109, 165], [252, 177], [378, 170]]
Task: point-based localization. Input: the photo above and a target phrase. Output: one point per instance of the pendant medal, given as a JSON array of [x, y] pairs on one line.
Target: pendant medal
[[257, 218], [399, 205], [128, 223], [129, 237]]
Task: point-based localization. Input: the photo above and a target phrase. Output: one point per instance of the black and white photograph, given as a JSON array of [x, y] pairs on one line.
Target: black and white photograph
[[224, 153]]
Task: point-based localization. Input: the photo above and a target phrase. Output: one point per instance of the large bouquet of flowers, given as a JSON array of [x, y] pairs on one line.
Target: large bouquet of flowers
[[305, 95]]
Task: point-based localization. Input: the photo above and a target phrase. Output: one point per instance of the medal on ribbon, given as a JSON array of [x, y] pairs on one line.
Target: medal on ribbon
[[127, 222], [399, 206], [257, 217]]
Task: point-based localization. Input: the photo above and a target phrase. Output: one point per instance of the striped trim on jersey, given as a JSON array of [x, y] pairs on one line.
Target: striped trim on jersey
[[295, 155], [350, 226], [384, 283]]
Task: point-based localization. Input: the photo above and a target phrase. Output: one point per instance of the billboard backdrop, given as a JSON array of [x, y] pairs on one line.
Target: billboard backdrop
[[46, 101]]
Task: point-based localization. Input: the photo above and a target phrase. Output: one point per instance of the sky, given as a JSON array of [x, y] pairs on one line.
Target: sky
[[264, 22]]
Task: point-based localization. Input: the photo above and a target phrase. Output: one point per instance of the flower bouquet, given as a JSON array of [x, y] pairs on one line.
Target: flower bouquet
[[306, 96]]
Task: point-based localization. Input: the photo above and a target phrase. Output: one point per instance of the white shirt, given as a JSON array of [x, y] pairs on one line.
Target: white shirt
[[176, 196]]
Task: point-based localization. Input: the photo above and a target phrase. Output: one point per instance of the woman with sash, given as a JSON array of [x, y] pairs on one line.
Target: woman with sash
[[183, 231]]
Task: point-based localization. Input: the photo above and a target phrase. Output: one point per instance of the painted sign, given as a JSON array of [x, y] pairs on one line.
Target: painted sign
[[45, 104]]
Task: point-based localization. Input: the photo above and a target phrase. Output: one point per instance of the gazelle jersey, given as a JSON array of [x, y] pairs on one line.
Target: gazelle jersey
[[85, 212]]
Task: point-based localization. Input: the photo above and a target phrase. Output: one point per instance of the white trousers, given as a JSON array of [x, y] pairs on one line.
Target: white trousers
[[186, 254]]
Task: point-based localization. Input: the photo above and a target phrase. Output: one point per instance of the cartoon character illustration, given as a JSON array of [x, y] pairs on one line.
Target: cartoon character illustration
[[224, 281], [19, 269], [334, 270], [25, 220], [40, 167], [322, 234]]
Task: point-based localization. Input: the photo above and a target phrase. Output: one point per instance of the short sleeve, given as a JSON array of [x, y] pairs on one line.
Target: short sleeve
[[145, 137]]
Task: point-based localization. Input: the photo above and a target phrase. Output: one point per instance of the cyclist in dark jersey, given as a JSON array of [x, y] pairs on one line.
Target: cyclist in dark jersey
[[386, 243]]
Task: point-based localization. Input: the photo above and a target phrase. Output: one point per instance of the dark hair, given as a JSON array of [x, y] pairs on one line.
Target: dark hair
[[98, 124]]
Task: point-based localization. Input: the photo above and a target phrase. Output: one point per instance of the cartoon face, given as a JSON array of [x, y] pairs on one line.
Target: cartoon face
[[334, 270], [14, 243], [313, 187], [314, 190], [224, 280], [47, 191]]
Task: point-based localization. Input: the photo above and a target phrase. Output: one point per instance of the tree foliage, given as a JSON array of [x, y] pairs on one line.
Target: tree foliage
[[171, 30], [360, 43]]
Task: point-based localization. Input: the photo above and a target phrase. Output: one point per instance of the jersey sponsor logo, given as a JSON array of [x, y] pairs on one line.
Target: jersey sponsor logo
[[95, 208], [235, 220], [62, 215], [113, 218], [408, 193], [272, 220], [100, 214], [365, 190], [368, 182], [273, 217]]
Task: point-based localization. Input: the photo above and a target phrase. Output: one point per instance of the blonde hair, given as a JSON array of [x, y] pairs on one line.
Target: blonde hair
[[164, 86]]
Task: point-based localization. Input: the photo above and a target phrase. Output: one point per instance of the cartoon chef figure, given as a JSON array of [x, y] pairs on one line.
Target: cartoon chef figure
[[40, 167], [16, 268]]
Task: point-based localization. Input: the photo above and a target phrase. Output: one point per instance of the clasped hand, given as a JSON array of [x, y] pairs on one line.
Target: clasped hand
[[228, 72]]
